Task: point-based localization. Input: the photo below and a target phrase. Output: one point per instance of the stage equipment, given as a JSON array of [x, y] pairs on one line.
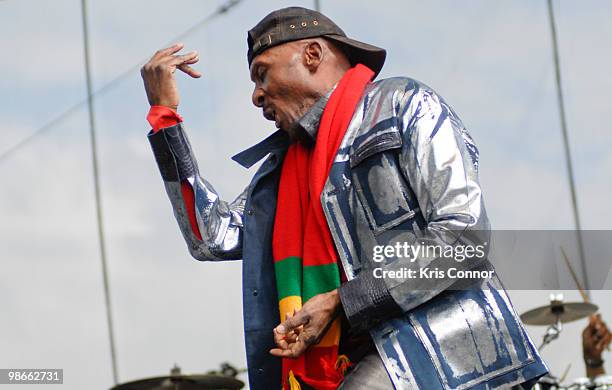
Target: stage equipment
[[178, 381]]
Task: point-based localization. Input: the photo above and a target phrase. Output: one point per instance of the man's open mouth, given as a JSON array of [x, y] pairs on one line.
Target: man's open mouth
[[270, 115]]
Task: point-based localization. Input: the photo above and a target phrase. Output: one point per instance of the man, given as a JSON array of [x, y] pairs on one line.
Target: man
[[355, 167]]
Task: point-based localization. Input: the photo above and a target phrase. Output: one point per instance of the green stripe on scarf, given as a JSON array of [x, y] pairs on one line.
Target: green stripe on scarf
[[320, 279], [288, 277]]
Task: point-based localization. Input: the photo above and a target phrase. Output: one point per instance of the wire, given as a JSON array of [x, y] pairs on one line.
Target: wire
[[568, 156], [224, 8], [97, 194]]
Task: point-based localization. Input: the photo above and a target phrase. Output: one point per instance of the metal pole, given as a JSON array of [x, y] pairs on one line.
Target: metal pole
[[317, 5], [96, 176], [568, 155]]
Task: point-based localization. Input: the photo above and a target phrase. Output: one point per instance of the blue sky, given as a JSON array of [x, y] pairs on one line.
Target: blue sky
[[491, 60]]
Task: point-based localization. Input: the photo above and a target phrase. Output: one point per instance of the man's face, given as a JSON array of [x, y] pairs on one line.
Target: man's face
[[283, 85]]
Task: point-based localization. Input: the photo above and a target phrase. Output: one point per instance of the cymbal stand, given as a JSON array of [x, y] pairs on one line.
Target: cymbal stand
[[552, 333]]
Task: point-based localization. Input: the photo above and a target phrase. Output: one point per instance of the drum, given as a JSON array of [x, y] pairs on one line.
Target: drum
[[581, 384], [603, 382], [547, 382], [178, 381]]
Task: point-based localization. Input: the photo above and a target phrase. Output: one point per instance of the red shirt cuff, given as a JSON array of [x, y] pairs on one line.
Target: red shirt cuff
[[160, 117]]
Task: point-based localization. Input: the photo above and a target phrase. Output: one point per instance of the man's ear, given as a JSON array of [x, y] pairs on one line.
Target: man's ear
[[313, 56]]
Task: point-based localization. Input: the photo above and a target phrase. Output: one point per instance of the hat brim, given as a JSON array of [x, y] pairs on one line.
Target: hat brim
[[360, 53]]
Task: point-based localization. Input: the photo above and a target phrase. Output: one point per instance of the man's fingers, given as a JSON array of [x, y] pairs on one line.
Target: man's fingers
[[606, 340], [295, 350], [291, 338], [181, 58], [182, 62], [280, 340], [192, 61], [284, 353], [190, 71], [602, 337], [167, 51], [300, 318]]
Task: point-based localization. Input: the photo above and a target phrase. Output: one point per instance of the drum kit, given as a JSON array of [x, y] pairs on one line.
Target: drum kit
[[554, 315], [223, 380], [552, 383]]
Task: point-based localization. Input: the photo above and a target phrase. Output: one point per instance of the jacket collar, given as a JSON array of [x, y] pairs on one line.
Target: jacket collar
[[279, 140], [311, 120]]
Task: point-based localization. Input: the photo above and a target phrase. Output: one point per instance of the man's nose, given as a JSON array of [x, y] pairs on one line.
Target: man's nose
[[258, 97]]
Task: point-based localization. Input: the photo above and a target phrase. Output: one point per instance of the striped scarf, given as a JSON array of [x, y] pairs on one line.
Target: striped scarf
[[305, 259]]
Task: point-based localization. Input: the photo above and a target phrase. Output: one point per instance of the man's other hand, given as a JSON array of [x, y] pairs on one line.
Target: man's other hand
[[595, 338], [307, 326], [158, 75]]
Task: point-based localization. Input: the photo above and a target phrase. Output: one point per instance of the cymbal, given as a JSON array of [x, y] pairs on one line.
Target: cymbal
[[183, 382], [565, 312]]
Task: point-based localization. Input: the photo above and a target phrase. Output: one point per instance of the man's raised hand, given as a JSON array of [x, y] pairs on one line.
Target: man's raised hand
[[158, 75]]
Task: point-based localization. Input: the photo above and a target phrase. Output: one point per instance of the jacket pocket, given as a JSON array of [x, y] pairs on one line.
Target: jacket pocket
[[382, 190], [472, 336]]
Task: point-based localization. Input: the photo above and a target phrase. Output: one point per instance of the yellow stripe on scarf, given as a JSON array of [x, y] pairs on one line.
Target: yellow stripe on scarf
[[332, 337], [288, 304], [293, 383]]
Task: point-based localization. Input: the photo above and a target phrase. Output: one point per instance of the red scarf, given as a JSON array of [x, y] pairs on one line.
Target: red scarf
[[305, 258]]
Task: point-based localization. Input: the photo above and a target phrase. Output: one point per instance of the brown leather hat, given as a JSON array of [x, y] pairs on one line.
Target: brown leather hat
[[295, 23]]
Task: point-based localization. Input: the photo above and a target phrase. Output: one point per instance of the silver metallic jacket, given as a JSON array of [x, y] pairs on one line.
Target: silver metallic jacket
[[406, 171]]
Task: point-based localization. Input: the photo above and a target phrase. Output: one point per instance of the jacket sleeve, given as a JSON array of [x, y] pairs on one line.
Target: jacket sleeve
[[219, 222], [440, 162]]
